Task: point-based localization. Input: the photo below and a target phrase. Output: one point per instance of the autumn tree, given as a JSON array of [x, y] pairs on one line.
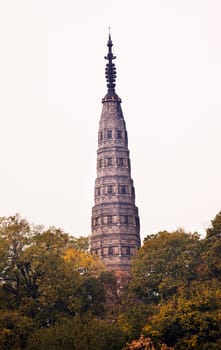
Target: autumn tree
[[190, 319], [179, 275], [45, 276], [165, 262], [212, 249], [82, 332], [55, 295]]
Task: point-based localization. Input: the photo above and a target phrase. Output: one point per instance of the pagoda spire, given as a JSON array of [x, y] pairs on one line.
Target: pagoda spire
[[110, 70]]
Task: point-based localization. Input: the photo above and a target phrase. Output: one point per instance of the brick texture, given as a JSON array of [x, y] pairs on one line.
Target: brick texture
[[115, 221]]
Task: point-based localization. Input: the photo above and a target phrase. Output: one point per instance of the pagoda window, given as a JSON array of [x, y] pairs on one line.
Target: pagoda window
[[101, 135], [98, 191], [110, 189], [110, 250], [109, 219], [126, 219], [122, 189], [128, 250], [109, 161], [137, 221], [120, 161], [100, 163], [96, 221], [119, 134], [109, 134]]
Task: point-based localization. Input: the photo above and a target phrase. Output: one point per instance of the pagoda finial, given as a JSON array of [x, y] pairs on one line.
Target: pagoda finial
[[110, 71]]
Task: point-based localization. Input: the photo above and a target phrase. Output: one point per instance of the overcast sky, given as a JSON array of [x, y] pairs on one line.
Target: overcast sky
[[51, 85]]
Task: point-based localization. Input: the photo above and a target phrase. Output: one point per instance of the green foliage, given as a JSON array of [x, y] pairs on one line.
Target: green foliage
[[165, 262], [85, 333], [81, 243], [14, 330], [215, 229], [134, 318], [55, 295], [189, 320], [212, 249], [180, 274], [15, 235], [45, 275]]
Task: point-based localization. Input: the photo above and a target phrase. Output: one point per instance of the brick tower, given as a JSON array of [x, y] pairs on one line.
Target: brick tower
[[115, 221]]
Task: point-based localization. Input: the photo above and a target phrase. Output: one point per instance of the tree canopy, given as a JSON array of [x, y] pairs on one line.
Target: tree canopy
[[55, 295], [179, 274]]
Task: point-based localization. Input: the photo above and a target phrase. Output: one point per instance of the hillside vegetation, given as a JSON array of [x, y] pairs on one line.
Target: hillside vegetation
[[54, 295]]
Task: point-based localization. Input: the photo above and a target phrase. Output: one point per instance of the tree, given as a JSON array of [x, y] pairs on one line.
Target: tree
[[165, 262], [133, 318], [215, 229], [14, 330], [191, 319], [180, 274], [45, 275], [145, 343], [85, 333], [212, 249], [16, 274]]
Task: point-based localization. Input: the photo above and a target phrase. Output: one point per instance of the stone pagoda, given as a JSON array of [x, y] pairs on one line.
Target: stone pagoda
[[115, 221]]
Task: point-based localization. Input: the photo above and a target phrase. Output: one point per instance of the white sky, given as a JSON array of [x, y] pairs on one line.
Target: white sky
[[51, 86]]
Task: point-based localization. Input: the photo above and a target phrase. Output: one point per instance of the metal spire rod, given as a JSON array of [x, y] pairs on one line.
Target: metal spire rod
[[110, 70]]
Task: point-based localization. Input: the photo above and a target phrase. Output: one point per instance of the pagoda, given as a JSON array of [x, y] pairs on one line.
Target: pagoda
[[115, 223]]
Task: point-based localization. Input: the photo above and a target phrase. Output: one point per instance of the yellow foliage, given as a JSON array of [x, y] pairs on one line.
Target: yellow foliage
[[124, 324], [83, 262]]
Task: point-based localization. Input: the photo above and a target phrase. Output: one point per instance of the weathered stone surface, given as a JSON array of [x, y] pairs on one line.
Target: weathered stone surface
[[115, 220]]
